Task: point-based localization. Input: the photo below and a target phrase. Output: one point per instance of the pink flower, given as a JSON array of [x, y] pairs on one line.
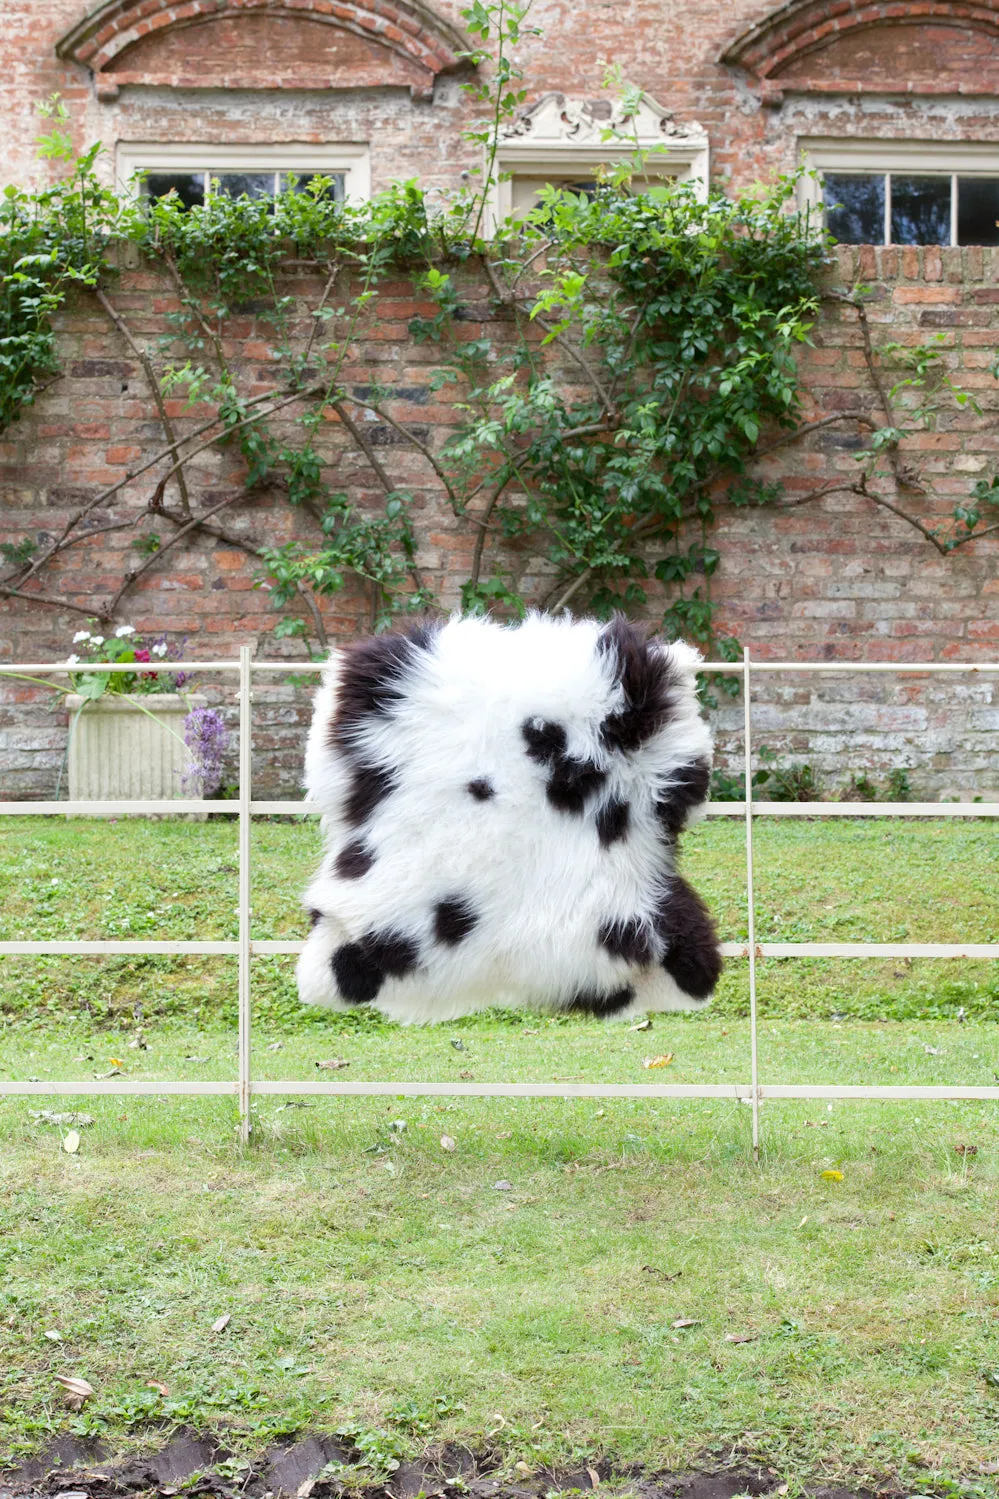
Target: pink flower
[[143, 655]]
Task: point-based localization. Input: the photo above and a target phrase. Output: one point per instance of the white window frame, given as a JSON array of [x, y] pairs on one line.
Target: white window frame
[[352, 162], [542, 143], [883, 157]]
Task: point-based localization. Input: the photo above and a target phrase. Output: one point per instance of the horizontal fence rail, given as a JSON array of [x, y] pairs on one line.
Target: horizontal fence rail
[[244, 947]]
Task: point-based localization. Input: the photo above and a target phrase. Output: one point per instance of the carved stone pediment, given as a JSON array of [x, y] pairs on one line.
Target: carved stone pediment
[[556, 119]]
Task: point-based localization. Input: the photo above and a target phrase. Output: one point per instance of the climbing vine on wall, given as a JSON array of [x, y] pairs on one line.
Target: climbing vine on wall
[[639, 360]]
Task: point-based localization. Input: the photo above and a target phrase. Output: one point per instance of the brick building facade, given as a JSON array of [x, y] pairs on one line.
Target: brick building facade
[[898, 101]]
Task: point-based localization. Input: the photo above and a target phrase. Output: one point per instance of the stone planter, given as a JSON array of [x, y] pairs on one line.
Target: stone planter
[[117, 752]]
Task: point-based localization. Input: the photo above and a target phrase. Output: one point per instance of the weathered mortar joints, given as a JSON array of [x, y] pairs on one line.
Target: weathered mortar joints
[[501, 807]]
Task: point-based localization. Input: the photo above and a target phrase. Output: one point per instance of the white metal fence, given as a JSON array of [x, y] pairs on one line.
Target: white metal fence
[[246, 947]]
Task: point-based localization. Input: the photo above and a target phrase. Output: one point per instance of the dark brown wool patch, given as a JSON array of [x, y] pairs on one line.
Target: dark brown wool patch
[[684, 924], [370, 785], [630, 940], [545, 740], [393, 952], [570, 782], [647, 680], [612, 821], [358, 977], [354, 860], [602, 1004], [373, 680], [481, 789], [688, 789], [453, 920]]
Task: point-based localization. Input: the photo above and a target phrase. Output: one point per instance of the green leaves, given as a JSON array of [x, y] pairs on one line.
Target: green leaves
[[93, 685]]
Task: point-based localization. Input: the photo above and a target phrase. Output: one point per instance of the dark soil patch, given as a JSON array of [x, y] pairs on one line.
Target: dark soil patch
[[200, 1464]]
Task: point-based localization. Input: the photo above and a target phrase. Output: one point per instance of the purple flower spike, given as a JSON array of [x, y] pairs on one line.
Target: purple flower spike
[[207, 740]]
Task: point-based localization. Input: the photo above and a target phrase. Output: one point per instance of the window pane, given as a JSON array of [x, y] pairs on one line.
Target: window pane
[[855, 208], [189, 186], [300, 181], [920, 210], [244, 184], [977, 210]]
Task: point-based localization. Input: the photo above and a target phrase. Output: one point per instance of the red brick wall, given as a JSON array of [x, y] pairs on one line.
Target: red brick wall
[[838, 579], [671, 48]]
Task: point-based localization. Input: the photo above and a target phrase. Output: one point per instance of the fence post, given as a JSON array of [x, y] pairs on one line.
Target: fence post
[[751, 902], [245, 825]]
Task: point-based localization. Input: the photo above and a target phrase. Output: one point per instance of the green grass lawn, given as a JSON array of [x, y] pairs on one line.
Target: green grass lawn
[[378, 1282]]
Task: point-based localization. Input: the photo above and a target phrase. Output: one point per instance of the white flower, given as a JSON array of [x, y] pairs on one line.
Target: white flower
[[97, 640], [72, 660], [159, 649], [81, 635], [124, 630]]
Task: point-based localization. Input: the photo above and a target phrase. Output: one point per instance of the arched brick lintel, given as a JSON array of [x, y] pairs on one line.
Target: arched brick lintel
[[406, 27], [805, 26]]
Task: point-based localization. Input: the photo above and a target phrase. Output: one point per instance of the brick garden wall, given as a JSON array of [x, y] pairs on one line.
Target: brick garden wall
[[834, 580]]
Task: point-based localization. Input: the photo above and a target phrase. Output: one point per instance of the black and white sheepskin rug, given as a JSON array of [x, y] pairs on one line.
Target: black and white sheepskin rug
[[501, 806]]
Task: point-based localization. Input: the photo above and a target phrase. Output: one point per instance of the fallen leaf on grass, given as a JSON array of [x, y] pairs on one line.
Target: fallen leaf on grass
[[685, 1322], [643, 1025], [466, 1076], [448, 1144], [741, 1337], [115, 1062], [832, 1176], [658, 1061], [71, 1142], [102, 1076], [594, 1477], [458, 1044], [333, 1065], [52, 1335], [966, 1150], [158, 1386], [503, 1185], [77, 1390], [221, 1323], [666, 1274], [524, 1469]]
